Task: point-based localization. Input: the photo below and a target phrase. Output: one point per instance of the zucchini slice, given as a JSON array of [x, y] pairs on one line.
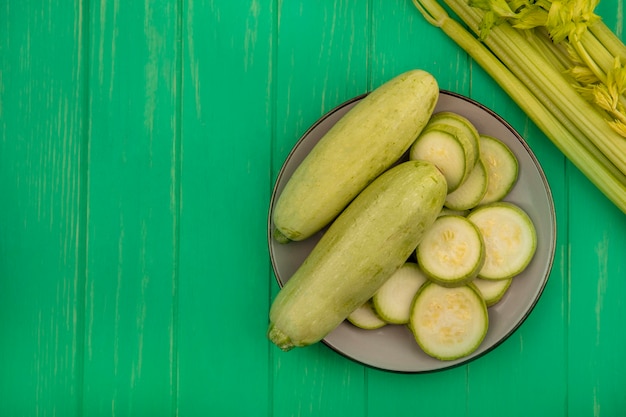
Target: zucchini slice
[[510, 239], [456, 158], [446, 212], [502, 168], [452, 251], [466, 131], [365, 317], [393, 300], [471, 192], [446, 152], [492, 289], [449, 323]]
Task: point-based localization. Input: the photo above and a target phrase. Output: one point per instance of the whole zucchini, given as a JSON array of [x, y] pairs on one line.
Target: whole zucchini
[[361, 249], [365, 142]]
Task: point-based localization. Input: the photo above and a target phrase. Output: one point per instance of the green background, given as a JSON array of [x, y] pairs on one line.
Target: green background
[[139, 144]]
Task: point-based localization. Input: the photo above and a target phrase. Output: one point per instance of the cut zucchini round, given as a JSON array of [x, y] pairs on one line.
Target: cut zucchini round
[[471, 192], [447, 212], [365, 317], [502, 168], [492, 290], [393, 300], [510, 239], [449, 323], [446, 152], [464, 128], [452, 251]]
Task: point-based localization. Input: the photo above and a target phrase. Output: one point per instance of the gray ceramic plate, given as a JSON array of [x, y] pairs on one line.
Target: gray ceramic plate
[[392, 347]]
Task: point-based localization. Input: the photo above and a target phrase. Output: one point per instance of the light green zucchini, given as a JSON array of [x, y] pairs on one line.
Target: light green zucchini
[[451, 142], [449, 323], [393, 299], [502, 168], [471, 192], [510, 239], [365, 317], [365, 142], [465, 131], [452, 251], [449, 212], [361, 249], [492, 290], [446, 151]]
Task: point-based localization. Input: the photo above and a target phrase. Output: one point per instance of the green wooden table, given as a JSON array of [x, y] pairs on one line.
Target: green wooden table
[[139, 144]]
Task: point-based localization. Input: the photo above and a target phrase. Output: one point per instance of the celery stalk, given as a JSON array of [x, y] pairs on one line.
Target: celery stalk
[[592, 47], [597, 51], [595, 170], [507, 43], [610, 41]]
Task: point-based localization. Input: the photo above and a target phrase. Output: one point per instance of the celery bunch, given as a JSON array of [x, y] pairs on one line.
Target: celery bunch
[[564, 68]]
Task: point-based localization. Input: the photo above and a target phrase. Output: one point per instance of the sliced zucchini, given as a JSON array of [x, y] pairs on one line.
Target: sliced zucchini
[[471, 192], [466, 131], [446, 212], [502, 168], [492, 289], [449, 323], [510, 239], [446, 152], [452, 251], [365, 317], [393, 300]]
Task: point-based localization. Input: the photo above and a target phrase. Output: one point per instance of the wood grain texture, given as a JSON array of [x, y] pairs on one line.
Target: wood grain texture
[[596, 246], [224, 268], [139, 144], [132, 209], [321, 61], [42, 243]]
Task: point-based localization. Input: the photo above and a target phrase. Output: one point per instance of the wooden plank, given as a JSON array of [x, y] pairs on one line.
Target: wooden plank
[[133, 204], [321, 61], [227, 110], [403, 40], [597, 366], [42, 230], [397, 46], [516, 370], [315, 381], [437, 394]]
